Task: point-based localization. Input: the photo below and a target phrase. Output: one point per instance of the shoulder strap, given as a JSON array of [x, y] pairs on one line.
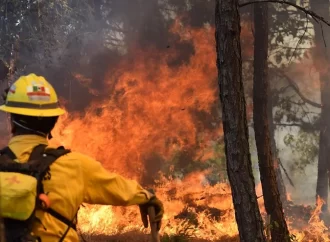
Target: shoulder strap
[[7, 151], [8, 163], [43, 157], [37, 152], [70, 225]]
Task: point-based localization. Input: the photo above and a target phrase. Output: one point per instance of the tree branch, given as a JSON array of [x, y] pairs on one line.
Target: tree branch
[[300, 39], [315, 16], [294, 86], [289, 124], [285, 172], [306, 127]]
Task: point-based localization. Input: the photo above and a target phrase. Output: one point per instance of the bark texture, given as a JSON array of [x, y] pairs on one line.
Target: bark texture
[[4, 70], [272, 201], [239, 168], [276, 161], [322, 65]]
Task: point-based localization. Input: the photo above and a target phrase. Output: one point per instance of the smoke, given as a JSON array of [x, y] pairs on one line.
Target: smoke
[[306, 81], [81, 50]]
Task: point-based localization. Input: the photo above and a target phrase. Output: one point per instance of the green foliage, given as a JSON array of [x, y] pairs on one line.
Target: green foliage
[[293, 116], [304, 147], [288, 30], [291, 110]]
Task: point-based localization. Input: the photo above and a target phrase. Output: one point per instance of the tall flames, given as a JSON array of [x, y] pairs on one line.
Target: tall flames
[[154, 109]]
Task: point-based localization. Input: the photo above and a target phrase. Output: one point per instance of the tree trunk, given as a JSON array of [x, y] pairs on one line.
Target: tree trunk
[[239, 167], [276, 161], [272, 128], [321, 63], [261, 92], [4, 70]]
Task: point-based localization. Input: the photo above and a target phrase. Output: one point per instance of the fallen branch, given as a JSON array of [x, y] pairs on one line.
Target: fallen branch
[[315, 16], [285, 172]]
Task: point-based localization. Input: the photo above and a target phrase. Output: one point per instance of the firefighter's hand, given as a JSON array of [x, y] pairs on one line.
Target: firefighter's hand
[[159, 211]]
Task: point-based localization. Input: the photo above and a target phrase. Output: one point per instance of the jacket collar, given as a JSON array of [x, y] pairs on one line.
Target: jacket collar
[[22, 145], [29, 139]]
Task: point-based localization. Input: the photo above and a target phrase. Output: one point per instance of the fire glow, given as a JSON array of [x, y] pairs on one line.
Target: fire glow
[[152, 107]]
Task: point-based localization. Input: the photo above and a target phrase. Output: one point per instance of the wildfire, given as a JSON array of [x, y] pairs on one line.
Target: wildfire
[[154, 110], [193, 209], [315, 229]]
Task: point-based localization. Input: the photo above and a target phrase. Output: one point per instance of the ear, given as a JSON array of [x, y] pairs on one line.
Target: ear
[[13, 128], [50, 136], [4, 94], [12, 125]]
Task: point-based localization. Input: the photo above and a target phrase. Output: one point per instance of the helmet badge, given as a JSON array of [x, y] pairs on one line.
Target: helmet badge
[[38, 92]]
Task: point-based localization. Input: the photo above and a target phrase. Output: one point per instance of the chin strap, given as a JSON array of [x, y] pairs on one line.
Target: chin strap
[[28, 129]]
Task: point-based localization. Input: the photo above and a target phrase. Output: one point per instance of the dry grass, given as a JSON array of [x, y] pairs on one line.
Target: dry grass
[[136, 236]]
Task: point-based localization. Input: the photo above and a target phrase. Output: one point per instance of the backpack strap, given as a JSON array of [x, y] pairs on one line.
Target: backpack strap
[[46, 158], [42, 157], [7, 151], [8, 163], [63, 219]]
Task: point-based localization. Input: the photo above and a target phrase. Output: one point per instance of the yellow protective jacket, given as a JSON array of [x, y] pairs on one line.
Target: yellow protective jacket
[[76, 179]]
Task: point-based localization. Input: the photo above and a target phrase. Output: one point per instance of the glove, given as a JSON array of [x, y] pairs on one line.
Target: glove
[[159, 211]]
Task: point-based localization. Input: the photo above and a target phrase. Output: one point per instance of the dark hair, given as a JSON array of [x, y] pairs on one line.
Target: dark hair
[[22, 124]]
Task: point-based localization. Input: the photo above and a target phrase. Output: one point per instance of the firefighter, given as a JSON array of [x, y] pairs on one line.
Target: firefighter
[[74, 178]]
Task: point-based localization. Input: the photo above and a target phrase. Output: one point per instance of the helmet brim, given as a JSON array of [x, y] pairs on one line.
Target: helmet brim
[[33, 112]]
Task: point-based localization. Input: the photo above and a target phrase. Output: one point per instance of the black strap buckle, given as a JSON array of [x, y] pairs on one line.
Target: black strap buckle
[[7, 151]]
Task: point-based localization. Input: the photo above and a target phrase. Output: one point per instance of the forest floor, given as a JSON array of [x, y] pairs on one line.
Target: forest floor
[[299, 217], [137, 236]]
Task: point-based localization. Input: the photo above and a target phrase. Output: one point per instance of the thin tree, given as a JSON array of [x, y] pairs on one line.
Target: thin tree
[[239, 168], [261, 91], [321, 63], [320, 14]]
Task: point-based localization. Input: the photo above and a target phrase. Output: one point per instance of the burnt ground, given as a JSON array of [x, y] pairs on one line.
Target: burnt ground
[[137, 236], [298, 213], [190, 217]]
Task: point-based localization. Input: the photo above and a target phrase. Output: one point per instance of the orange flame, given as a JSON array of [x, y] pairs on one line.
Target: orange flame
[[151, 110], [154, 110]]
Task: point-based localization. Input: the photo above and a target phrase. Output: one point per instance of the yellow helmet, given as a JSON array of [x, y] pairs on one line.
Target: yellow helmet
[[32, 95]]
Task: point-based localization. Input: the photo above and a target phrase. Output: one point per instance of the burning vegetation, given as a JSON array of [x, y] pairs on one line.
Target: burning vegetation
[[146, 104]]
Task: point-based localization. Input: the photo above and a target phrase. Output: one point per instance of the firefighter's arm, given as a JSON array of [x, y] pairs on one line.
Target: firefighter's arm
[[103, 187]]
